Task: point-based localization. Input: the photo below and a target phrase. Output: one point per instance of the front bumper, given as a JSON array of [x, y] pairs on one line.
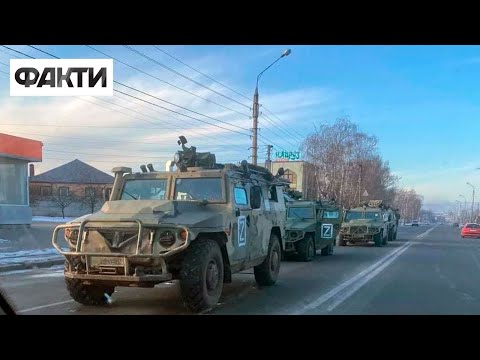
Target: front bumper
[[118, 269], [359, 233]]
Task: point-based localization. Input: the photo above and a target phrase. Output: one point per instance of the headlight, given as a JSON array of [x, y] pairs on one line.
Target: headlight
[[293, 234], [183, 234], [71, 235], [176, 158], [167, 239]]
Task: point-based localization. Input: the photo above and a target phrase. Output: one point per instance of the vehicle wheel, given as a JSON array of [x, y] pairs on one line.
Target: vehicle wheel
[[306, 248], [395, 235], [386, 239], [267, 272], [378, 239], [201, 276], [327, 250], [463, 237], [86, 294], [341, 242]]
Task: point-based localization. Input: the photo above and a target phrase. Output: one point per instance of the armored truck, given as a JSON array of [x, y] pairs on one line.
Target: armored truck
[[198, 224], [372, 221], [311, 226]]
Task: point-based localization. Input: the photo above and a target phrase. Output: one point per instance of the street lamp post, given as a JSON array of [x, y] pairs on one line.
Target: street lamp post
[[473, 200], [255, 109], [465, 207]]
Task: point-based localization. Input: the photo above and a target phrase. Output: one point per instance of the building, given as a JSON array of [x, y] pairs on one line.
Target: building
[[75, 188], [15, 154], [301, 175]]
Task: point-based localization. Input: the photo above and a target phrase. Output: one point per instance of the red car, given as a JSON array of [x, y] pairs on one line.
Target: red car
[[471, 230]]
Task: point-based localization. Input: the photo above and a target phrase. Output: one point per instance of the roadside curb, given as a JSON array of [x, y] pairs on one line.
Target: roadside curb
[[31, 265]]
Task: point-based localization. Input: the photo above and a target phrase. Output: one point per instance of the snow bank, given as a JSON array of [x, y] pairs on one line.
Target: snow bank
[[51, 219], [29, 256]]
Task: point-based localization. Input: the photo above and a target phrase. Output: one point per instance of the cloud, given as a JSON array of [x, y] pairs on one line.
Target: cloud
[[138, 132]]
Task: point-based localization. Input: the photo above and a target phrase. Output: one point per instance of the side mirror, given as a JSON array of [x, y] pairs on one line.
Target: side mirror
[[237, 212]]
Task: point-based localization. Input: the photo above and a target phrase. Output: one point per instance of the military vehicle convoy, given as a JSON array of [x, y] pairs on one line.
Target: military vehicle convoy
[[311, 226], [371, 221], [199, 224]]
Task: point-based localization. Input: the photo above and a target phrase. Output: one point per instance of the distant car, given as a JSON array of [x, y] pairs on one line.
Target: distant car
[[455, 225], [470, 230], [415, 223]]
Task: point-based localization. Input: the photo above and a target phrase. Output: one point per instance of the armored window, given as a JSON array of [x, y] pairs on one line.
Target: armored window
[[46, 191], [240, 195], [198, 189], [144, 189], [330, 214], [63, 191], [272, 194], [256, 197]]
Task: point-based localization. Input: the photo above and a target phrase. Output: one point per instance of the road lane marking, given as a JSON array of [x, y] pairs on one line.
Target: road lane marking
[[44, 306], [425, 233], [357, 278]]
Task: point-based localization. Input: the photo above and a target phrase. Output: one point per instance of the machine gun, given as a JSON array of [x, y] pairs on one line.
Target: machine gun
[[189, 157]]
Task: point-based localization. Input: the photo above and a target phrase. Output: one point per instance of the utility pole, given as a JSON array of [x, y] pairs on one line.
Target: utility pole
[[255, 110], [473, 201], [268, 162], [255, 126]]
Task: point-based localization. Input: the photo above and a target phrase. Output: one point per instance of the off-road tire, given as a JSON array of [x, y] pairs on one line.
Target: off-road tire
[[92, 295], [199, 290], [306, 249], [341, 241], [327, 250], [267, 272], [378, 239]]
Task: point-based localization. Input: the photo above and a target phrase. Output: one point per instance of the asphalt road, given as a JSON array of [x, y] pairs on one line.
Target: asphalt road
[[428, 270]]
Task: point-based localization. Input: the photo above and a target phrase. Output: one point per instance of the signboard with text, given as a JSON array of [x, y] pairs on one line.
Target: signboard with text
[[287, 155]]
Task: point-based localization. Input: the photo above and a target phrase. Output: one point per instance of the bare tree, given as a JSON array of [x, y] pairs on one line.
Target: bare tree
[[62, 198], [91, 198]]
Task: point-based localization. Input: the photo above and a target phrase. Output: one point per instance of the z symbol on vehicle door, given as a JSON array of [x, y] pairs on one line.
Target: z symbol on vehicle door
[[242, 231], [327, 231]]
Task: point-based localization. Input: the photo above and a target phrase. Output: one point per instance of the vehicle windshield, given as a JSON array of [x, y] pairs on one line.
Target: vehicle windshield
[[300, 212], [472, 226], [369, 215], [209, 189], [143, 189]]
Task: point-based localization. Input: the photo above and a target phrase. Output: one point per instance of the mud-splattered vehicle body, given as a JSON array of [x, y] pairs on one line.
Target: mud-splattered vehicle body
[[199, 224], [311, 226], [371, 221]]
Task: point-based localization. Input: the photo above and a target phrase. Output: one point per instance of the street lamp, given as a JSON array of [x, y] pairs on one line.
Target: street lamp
[[473, 200], [256, 106]]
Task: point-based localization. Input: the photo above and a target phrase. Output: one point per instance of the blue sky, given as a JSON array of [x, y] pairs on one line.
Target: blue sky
[[422, 102]]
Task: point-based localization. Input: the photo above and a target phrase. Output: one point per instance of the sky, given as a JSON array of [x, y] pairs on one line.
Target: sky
[[421, 102]]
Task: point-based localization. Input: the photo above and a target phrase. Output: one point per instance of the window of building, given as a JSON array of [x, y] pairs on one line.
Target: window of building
[[46, 191], [108, 191], [63, 191], [291, 176], [90, 191], [13, 182]]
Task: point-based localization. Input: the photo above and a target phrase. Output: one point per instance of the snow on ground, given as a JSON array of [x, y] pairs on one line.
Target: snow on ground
[[29, 256], [51, 219]]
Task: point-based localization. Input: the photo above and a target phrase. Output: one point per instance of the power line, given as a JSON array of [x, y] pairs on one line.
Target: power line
[[5, 52], [287, 139], [4, 63], [31, 57], [281, 121], [102, 155], [182, 75], [4, 72], [286, 132], [164, 81], [201, 73], [168, 102]]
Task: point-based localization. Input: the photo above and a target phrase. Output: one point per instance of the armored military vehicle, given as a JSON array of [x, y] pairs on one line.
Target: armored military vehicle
[[311, 226], [199, 224], [372, 221]]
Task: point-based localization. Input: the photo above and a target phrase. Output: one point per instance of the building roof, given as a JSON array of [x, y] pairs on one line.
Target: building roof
[[76, 172], [20, 148]]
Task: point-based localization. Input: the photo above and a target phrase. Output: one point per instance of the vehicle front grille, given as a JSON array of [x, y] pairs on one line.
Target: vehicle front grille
[[358, 230], [117, 238]]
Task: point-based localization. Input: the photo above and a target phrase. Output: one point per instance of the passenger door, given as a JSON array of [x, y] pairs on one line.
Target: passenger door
[[258, 226], [331, 220], [240, 232]]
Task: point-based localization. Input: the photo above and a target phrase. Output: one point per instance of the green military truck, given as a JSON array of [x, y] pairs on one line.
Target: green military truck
[[199, 225], [372, 221], [311, 226]]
